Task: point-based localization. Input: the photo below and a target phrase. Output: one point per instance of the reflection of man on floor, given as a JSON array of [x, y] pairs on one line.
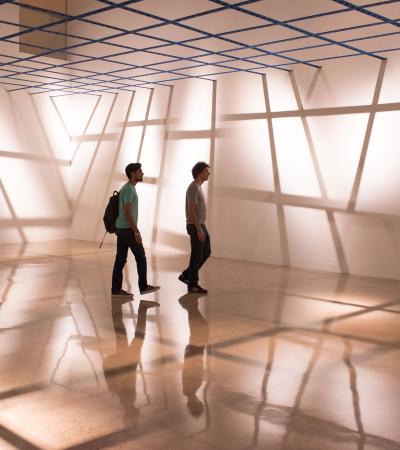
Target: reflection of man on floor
[[193, 366], [120, 368]]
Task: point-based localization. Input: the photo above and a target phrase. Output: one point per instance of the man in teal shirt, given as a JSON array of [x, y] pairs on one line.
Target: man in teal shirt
[[128, 235]]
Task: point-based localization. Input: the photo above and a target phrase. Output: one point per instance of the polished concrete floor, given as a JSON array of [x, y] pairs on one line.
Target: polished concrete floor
[[272, 358]]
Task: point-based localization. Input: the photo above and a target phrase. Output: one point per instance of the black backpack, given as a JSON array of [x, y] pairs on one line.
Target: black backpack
[[110, 214]]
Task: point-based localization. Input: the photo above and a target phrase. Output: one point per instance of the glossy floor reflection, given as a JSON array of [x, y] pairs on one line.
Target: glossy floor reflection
[[272, 358]]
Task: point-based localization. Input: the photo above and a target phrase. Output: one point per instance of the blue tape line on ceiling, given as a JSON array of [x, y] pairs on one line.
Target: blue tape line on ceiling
[[294, 28], [81, 81], [363, 10]]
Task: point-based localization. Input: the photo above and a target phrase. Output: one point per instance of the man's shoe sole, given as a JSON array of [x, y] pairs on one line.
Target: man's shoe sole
[[122, 296], [193, 291]]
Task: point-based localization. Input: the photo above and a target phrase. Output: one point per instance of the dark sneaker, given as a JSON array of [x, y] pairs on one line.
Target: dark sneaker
[[121, 294], [149, 289], [197, 290], [183, 279]]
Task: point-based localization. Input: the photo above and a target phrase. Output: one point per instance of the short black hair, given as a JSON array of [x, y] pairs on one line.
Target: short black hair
[[132, 167], [198, 168]]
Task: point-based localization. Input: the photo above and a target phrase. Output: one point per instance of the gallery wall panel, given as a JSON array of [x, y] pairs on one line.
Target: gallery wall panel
[[303, 164]]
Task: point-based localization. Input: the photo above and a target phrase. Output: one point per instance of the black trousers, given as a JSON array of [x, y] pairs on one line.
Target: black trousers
[[125, 241], [200, 252]]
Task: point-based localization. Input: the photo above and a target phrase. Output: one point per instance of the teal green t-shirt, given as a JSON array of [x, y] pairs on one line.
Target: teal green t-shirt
[[127, 194]]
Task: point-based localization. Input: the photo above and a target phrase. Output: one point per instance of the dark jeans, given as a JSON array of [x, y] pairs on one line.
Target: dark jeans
[[126, 240], [200, 252]]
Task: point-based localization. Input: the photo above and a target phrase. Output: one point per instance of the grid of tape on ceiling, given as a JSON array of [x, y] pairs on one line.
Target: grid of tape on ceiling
[[142, 43]]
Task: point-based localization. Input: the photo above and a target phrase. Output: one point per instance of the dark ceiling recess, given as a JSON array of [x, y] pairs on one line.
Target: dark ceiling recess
[[50, 13]]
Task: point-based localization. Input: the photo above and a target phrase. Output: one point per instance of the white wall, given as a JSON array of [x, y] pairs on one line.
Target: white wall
[[317, 207], [34, 199], [287, 184]]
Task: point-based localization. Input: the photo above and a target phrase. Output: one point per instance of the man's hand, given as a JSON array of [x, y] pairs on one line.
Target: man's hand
[[201, 235], [138, 238]]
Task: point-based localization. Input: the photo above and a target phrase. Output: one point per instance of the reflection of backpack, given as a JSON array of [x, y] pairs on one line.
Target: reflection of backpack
[[110, 214]]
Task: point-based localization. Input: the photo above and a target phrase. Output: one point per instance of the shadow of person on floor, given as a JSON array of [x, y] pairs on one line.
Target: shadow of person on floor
[[120, 368], [193, 366]]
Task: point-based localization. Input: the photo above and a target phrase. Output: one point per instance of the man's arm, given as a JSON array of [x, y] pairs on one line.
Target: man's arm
[[132, 224], [195, 221]]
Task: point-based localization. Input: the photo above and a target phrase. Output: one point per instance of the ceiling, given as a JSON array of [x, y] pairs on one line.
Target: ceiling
[[113, 46]]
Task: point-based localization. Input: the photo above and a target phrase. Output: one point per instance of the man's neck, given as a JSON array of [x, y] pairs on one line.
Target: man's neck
[[198, 181], [133, 182]]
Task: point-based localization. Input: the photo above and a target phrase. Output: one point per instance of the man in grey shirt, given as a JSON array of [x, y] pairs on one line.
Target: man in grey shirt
[[196, 228]]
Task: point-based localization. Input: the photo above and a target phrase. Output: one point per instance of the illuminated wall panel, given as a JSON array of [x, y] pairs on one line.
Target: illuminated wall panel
[[242, 157], [347, 82], [95, 185], [391, 87], [310, 238], [246, 227], [297, 172], [150, 153], [371, 244], [129, 149], [140, 104], [380, 184], [100, 118], [80, 167], [240, 93], [304, 165], [55, 123], [30, 126], [281, 95], [33, 191], [9, 140], [147, 193], [159, 103], [26, 195], [338, 141], [74, 111], [243, 222], [191, 106]]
